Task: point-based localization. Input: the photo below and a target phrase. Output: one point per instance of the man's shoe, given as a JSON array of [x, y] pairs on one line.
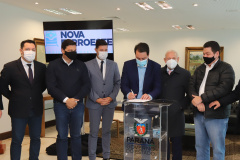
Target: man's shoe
[[106, 159]]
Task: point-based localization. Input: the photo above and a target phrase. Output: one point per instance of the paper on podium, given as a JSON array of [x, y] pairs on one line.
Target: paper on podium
[[138, 100]]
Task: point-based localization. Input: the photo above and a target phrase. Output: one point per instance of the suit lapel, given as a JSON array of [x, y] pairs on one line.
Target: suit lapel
[[36, 71], [147, 74], [97, 69], [22, 70], [108, 68], [135, 72]]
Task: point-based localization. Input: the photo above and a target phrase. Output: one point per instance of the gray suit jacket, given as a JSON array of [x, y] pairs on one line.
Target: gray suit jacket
[[100, 88]]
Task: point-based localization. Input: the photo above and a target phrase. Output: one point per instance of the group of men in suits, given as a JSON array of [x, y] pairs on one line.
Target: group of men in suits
[[69, 80]]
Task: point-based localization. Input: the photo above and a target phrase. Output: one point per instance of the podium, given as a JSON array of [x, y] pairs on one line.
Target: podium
[[145, 130]]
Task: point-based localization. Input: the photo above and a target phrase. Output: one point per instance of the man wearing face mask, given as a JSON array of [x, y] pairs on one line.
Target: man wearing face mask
[[141, 76], [22, 82], [212, 80], [141, 79], [175, 87], [101, 102], [68, 83]]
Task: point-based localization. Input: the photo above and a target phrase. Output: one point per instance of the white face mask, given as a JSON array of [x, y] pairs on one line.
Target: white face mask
[[29, 55], [102, 55], [171, 63]]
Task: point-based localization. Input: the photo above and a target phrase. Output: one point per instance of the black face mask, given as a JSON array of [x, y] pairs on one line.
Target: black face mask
[[71, 55], [208, 60]]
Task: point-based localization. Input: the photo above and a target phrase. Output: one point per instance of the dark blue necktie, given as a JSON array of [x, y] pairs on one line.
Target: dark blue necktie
[[101, 66], [30, 73]]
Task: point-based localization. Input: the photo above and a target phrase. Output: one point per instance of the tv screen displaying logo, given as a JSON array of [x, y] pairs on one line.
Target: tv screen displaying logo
[[84, 33]]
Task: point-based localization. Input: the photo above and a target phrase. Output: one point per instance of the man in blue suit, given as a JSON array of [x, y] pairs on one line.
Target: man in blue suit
[[141, 77]]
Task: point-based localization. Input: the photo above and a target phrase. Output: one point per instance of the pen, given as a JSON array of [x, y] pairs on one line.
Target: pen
[[133, 93]]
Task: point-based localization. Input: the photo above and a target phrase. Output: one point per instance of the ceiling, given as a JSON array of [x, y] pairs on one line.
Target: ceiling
[[209, 15]]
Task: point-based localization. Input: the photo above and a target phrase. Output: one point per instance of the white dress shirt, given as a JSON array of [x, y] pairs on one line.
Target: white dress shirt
[[104, 66], [66, 62], [25, 66], [203, 84]]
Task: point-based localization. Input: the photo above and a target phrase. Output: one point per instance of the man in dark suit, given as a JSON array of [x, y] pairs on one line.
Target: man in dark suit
[[26, 77], [68, 83], [141, 76], [175, 87]]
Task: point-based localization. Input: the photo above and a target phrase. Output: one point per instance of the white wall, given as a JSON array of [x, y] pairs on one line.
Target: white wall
[[21, 24], [16, 25], [160, 42]]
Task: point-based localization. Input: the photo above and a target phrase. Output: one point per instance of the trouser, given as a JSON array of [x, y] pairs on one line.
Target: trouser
[[72, 119], [95, 116]]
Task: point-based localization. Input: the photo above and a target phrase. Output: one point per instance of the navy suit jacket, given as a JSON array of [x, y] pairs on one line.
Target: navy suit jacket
[[152, 79]]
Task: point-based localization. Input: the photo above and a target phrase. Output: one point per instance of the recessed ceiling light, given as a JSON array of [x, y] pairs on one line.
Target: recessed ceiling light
[[177, 27], [70, 11], [36, 2], [122, 29], [118, 9], [195, 4], [54, 11], [190, 27], [164, 5], [144, 6]]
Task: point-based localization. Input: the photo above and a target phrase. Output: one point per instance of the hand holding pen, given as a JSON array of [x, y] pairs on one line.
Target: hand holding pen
[[131, 95]]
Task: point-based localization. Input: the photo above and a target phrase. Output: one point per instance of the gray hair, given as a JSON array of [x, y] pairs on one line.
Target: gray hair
[[171, 51]]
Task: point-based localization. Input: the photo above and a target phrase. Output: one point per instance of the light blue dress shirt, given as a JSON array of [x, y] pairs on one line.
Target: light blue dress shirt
[[141, 75]]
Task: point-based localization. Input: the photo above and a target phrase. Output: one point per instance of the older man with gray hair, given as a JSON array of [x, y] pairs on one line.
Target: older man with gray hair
[[175, 86]]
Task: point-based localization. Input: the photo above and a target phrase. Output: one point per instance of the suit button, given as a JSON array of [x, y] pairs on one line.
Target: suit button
[[104, 84], [30, 97]]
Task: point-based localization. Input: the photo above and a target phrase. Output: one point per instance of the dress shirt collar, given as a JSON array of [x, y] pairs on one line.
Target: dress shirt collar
[[99, 61], [66, 62], [169, 69], [25, 63]]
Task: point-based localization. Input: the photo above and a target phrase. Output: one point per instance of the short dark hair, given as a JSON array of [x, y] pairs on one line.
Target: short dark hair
[[26, 41], [67, 42], [214, 46], [142, 47], [100, 42]]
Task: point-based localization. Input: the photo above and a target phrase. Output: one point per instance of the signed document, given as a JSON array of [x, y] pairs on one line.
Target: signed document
[[138, 100]]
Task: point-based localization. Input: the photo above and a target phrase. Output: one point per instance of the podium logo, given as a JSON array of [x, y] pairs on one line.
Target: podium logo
[[51, 38], [140, 127]]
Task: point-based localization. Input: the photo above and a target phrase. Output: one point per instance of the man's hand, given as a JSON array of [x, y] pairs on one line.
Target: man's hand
[[109, 99], [103, 101], [71, 103], [131, 95], [196, 100], [0, 113], [214, 103], [146, 97], [201, 107]]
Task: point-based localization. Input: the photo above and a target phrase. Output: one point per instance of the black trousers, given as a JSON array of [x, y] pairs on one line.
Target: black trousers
[[176, 148]]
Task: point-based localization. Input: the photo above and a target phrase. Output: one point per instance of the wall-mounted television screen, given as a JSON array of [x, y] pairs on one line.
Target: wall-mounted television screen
[[84, 33]]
